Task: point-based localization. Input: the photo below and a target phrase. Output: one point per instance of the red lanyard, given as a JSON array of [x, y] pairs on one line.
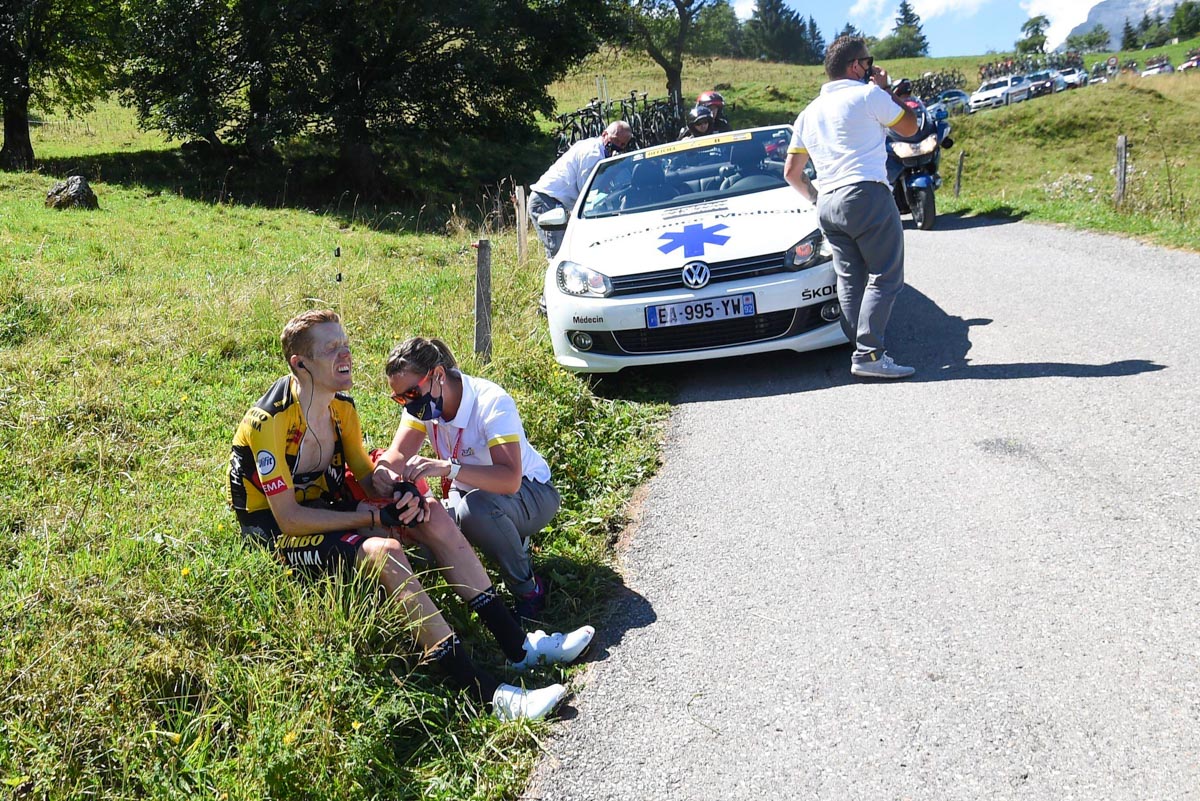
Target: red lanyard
[[437, 450]]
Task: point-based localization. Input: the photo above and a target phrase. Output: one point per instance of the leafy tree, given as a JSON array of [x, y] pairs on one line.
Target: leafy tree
[[55, 54], [664, 29], [1185, 22], [777, 33], [187, 73], [1034, 39], [906, 40], [718, 31], [1094, 41], [1129, 36]]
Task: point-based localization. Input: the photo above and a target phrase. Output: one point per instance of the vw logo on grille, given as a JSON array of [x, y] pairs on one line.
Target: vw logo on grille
[[695, 275]]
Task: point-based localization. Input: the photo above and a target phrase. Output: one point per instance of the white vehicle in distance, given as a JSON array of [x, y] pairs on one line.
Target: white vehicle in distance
[[1000, 92], [1074, 77], [691, 250]]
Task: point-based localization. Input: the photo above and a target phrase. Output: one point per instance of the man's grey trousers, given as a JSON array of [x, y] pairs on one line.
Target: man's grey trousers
[[863, 226]]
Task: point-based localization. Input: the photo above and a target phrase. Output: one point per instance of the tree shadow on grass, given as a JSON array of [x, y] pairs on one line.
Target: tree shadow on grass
[[420, 184]]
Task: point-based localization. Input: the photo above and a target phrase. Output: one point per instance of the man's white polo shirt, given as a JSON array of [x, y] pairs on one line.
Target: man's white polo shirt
[[842, 131], [487, 416], [564, 180]]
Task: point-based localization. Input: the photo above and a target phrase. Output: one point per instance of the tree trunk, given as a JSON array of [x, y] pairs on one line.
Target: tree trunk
[[17, 153]]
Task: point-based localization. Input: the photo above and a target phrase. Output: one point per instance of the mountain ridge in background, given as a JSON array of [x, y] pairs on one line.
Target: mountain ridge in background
[[1113, 13]]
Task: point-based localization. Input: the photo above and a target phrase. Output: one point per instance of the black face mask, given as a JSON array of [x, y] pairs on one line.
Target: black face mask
[[425, 407]]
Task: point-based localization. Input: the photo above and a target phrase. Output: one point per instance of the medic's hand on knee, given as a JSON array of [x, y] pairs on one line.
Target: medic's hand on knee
[[421, 467], [407, 507]]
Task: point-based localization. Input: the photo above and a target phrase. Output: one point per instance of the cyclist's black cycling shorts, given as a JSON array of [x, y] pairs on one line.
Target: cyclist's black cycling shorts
[[310, 554]]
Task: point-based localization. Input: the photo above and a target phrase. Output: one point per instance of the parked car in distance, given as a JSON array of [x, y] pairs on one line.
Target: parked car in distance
[[1000, 92], [690, 250], [1074, 77], [1160, 68], [1191, 64], [955, 101], [1045, 82]]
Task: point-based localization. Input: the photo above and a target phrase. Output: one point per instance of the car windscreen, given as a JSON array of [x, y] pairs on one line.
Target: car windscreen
[[690, 171], [1039, 76], [990, 85]]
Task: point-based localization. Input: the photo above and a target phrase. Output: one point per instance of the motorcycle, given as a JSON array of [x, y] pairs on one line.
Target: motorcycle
[[912, 162]]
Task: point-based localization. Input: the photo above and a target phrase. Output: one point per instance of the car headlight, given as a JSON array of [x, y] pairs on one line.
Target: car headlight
[[575, 279], [808, 252], [906, 150]]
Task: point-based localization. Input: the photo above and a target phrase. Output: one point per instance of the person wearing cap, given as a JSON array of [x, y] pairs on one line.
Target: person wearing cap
[[842, 131], [699, 123], [560, 186], [716, 104]]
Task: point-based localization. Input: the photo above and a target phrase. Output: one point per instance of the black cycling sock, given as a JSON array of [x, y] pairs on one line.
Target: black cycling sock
[[453, 659], [501, 623]]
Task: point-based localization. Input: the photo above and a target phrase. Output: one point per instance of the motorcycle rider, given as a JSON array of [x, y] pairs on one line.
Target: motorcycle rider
[[699, 123], [716, 104]]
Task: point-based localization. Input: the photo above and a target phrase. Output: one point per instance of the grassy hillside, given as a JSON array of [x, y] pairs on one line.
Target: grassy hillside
[[1050, 159], [145, 653]]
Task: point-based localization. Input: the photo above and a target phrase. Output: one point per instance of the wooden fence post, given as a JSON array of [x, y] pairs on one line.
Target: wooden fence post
[[483, 299], [1122, 165], [962, 154], [522, 223]]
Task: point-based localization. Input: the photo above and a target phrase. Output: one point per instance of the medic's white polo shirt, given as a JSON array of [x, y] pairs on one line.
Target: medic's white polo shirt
[[843, 132], [487, 416]]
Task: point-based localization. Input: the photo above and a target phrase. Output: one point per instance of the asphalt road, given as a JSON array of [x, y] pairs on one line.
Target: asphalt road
[[982, 583]]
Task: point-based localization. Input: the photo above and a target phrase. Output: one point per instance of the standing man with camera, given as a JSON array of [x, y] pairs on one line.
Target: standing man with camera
[[843, 132]]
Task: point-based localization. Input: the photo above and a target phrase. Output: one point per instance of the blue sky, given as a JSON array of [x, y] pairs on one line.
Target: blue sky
[[953, 27]]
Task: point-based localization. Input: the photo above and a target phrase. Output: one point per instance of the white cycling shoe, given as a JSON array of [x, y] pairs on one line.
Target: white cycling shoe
[[550, 649], [516, 703]]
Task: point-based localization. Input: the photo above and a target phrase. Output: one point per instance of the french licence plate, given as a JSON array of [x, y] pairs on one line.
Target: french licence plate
[[700, 311]]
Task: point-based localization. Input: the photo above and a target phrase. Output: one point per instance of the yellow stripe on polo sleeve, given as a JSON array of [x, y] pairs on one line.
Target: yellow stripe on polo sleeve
[[503, 439], [414, 424], [797, 151], [898, 116]]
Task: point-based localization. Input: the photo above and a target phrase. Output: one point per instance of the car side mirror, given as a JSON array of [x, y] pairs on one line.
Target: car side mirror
[[553, 220]]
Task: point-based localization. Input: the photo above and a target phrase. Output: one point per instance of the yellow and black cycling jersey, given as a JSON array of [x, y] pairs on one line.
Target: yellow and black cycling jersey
[[267, 446]]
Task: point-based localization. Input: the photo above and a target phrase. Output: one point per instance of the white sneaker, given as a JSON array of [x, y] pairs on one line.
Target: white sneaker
[[513, 703], [883, 368], [549, 649]]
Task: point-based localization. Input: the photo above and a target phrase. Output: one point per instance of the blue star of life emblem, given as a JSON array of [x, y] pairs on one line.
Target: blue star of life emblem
[[693, 238]]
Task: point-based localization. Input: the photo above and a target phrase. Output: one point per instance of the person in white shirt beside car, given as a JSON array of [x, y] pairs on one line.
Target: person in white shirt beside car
[[559, 186], [842, 131]]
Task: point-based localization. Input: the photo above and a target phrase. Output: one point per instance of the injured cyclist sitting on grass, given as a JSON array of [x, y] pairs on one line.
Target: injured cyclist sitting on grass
[[292, 492]]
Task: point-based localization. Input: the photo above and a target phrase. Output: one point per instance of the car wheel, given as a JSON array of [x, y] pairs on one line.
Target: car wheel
[[924, 210]]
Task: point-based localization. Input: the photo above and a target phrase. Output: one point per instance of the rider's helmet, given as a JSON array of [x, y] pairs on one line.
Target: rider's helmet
[[700, 117], [712, 101], [902, 88]]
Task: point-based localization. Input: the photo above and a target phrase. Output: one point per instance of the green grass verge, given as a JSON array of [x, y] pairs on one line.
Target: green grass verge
[[145, 652]]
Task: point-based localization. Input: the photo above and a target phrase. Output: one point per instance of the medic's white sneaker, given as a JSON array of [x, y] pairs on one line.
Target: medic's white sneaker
[[513, 703], [549, 649]]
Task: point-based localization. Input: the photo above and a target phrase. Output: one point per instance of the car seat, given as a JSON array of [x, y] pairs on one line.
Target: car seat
[[647, 185], [745, 160]]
